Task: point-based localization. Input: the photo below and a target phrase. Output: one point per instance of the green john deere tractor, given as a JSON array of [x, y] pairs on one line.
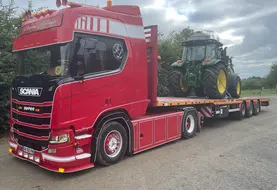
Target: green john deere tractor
[[204, 68]]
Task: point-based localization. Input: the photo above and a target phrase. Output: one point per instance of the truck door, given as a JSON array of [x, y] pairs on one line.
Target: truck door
[[100, 83]]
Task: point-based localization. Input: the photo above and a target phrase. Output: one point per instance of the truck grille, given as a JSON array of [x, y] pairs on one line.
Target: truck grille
[[31, 126], [31, 120], [31, 143]]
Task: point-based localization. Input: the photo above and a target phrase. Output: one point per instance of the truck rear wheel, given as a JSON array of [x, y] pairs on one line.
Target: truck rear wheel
[[112, 144], [189, 125], [240, 114], [234, 86], [257, 108], [177, 84], [249, 110], [215, 81]]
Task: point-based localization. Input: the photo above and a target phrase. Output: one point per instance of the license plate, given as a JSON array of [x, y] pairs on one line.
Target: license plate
[[28, 150]]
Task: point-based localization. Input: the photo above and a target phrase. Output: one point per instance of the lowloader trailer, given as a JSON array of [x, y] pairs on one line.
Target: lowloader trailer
[[97, 100]]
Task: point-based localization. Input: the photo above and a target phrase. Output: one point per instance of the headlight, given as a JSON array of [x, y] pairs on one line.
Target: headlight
[[59, 139]]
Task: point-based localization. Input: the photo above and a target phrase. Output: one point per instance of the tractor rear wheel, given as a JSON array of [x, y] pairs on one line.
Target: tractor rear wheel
[[234, 86], [215, 81], [177, 84]]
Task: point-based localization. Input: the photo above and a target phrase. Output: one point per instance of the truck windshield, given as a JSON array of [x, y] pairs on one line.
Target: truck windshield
[[194, 53], [52, 60]]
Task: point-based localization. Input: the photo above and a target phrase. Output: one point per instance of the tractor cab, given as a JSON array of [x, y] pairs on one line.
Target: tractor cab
[[205, 67], [201, 47]]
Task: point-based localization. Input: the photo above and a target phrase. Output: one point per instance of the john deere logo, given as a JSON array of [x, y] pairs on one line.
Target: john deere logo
[[29, 91]]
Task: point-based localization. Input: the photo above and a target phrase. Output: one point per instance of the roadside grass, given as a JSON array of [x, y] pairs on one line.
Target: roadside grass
[[265, 92]]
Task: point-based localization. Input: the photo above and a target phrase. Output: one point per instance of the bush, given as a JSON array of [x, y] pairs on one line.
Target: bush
[[4, 108]]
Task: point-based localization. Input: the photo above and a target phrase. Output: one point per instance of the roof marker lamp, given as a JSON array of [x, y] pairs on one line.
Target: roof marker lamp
[[64, 2], [109, 3], [58, 3]]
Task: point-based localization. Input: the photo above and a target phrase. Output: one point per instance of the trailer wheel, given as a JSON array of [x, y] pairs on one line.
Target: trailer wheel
[[240, 114], [249, 110], [257, 108], [190, 124], [112, 144]]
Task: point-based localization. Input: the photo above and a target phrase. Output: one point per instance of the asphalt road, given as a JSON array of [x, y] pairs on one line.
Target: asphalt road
[[226, 155]]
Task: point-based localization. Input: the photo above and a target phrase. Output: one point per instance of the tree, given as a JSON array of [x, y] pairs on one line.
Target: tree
[[9, 27], [272, 76], [170, 50]]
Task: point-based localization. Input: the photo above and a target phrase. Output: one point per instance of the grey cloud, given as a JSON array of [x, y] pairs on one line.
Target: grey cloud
[[254, 19]]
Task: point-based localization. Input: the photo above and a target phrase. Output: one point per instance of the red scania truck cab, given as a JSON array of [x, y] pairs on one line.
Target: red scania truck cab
[[95, 99]]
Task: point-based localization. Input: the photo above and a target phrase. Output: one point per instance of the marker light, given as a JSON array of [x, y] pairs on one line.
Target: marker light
[[31, 157], [10, 150], [58, 3], [109, 3], [37, 159], [20, 153], [25, 155], [71, 4], [61, 170], [64, 2]]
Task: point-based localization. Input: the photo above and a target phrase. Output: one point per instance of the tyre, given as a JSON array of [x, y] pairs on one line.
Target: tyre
[[240, 114], [215, 81], [257, 108], [189, 125], [249, 110], [177, 84], [112, 144], [234, 86]]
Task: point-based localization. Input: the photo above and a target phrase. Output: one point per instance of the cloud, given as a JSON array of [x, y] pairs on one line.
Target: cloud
[[247, 27]]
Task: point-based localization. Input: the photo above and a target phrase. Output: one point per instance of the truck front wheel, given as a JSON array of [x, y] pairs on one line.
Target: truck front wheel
[[112, 144]]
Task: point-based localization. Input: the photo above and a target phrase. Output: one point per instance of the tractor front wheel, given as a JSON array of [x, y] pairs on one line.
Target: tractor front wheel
[[234, 86], [215, 81], [177, 84]]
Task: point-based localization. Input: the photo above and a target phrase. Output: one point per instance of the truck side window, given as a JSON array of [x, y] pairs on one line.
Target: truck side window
[[100, 54]]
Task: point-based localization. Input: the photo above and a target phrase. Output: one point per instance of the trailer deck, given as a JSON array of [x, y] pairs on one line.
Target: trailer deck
[[173, 101]]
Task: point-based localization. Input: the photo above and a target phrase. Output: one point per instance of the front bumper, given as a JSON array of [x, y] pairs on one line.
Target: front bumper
[[73, 162]]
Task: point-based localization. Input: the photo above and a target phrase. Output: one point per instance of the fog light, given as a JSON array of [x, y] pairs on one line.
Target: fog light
[[37, 159], [31, 157], [61, 170], [10, 150], [20, 153], [25, 155], [51, 151]]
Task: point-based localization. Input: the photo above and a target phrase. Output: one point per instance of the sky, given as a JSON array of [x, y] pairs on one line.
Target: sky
[[246, 27]]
